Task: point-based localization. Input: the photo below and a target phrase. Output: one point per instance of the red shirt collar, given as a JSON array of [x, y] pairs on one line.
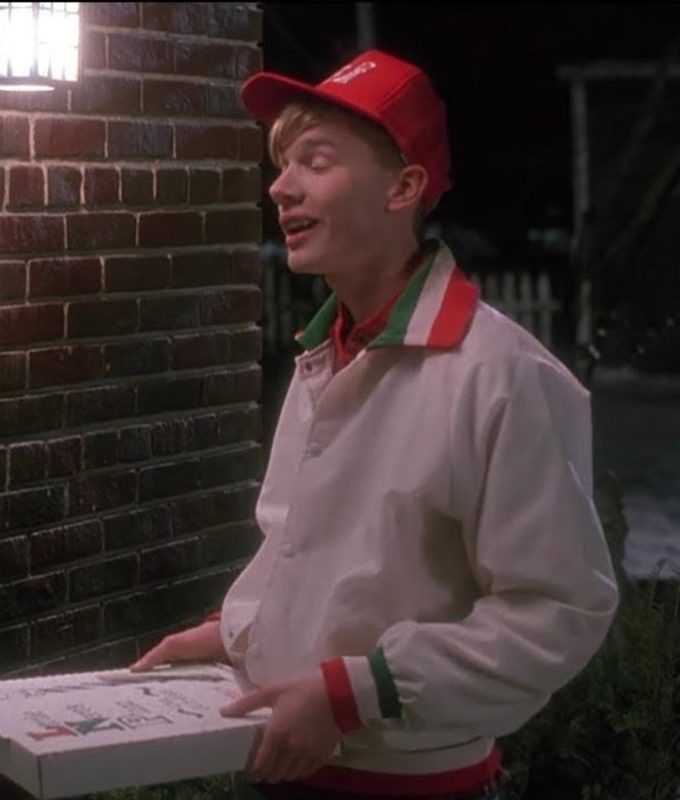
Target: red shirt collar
[[349, 339]]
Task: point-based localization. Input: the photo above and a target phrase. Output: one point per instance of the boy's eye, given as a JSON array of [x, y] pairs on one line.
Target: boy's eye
[[318, 164]]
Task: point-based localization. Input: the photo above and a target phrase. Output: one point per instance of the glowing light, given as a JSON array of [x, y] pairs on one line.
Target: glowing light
[[39, 45]]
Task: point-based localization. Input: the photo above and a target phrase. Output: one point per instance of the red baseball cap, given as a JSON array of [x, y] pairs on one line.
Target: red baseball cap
[[396, 95]]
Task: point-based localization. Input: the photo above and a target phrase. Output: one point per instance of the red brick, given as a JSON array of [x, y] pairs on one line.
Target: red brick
[[230, 542], [93, 50], [22, 324], [240, 225], [170, 394], [12, 280], [32, 507], [61, 632], [64, 456], [139, 612], [199, 350], [30, 414], [234, 466], [69, 138], [13, 653], [169, 437], [168, 560], [100, 404], [134, 53], [225, 20], [101, 186], [217, 60], [240, 185], [101, 449], [100, 231], [103, 578], [135, 528], [247, 267], [61, 365], [164, 480], [137, 358], [63, 277], [192, 351], [134, 444], [136, 273], [113, 655], [173, 98], [169, 313], [31, 233], [250, 145], [137, 187], [139, 140], [223, 100], [101, 491], [32, 595], [204, 186], [26, 187], [63, 186], [14, 136], [12, 373], [202, 269], [66, 543], [207, 142], [242, 304], [26, 463], [106, 95], [13, 557], [170, 229], [235, 426], [101, 318], [112, 15], [213, 508], [56, 100], [171, 186], [232, 386]]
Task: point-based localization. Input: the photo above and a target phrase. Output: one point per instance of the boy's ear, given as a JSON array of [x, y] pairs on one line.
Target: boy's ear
[[408, 188]]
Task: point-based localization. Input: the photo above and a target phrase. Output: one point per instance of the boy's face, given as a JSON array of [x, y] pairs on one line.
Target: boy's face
[[332, 195]]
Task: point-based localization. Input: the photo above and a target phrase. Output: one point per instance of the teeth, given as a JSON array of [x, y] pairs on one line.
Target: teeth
[[301, 226]]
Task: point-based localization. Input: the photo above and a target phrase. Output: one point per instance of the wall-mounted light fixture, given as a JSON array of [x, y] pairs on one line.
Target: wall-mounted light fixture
[[39, 45]]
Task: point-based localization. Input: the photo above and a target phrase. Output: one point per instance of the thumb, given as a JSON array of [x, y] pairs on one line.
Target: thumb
[[251, 702]]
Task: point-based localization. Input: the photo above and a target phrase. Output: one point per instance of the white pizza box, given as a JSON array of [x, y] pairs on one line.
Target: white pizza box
[[67, 735]]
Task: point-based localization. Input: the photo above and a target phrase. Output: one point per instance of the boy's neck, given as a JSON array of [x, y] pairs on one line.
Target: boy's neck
[[368, 288]]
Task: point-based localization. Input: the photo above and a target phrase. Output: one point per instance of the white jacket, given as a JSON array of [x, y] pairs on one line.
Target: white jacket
[[433, 499]]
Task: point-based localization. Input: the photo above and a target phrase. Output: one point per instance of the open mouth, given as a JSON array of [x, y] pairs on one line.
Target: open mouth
[[298, 232]]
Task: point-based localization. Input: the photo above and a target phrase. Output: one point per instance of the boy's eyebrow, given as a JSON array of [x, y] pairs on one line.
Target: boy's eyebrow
[[309, 144]]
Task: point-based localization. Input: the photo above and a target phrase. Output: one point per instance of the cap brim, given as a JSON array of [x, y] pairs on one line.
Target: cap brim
[[266, 94]]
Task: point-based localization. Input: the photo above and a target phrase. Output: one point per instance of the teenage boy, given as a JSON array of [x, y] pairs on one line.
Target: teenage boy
[[433, 568]]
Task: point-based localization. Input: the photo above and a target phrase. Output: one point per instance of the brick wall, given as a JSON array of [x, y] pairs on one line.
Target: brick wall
[[129, 296]]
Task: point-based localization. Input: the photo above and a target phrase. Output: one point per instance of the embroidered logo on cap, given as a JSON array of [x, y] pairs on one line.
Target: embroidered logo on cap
[[349, 73]]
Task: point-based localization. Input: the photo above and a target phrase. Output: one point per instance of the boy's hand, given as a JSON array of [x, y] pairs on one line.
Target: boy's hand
[[202, 643], [301, 734]]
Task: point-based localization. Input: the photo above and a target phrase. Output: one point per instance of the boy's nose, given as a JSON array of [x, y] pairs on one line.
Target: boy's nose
[[284, 191]]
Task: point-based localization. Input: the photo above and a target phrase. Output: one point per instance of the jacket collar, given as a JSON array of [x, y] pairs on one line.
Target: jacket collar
[[434, 310]]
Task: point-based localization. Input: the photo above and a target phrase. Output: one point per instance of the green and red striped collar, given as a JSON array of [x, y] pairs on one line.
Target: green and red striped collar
[[434, 310]]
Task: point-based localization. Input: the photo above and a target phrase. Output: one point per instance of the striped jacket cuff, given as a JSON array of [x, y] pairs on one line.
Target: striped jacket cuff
[[361, 690]]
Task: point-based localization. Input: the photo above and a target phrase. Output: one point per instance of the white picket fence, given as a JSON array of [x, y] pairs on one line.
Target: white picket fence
[[523, 297]]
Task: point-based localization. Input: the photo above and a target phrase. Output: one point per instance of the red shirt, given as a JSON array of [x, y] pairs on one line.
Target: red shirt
[[349, 339]]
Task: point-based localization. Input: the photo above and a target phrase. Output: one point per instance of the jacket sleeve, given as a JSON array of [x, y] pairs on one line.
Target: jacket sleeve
[[547, 588]]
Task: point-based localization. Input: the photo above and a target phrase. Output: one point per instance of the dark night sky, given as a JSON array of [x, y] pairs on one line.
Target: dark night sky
[[495, 65]]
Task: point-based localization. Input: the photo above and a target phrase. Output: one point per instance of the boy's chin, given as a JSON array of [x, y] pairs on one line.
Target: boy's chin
[[300, 265]]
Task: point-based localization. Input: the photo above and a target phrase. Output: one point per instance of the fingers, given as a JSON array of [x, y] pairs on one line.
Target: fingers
[[162, 653], [250, 702]]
